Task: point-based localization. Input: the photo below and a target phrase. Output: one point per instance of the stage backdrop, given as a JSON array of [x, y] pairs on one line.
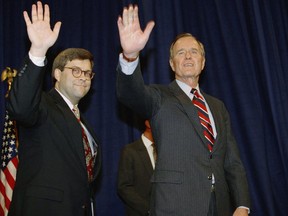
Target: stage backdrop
[[246, 43]]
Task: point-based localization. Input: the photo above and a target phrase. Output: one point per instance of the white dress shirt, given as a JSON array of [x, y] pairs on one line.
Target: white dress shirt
[[149, 147]]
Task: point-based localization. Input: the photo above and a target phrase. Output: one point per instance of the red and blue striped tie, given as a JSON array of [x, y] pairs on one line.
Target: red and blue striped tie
[[198, 101]]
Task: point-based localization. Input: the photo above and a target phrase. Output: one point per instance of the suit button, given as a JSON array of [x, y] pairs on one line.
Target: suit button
[[83, 206], [210, 177]]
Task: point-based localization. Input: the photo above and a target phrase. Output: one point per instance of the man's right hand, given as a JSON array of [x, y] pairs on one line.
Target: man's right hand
[[39, 30], [132, 38]]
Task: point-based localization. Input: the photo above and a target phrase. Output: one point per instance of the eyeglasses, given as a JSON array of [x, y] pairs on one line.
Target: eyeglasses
[[77, 72]]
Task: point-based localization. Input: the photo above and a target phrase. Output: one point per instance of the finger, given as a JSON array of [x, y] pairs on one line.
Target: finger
[[56, 28], [46, 13], [120, 23], [149, 28], [39, 10], [135, 14], [26, 18], [130, 14], [125, 16], [34, 16]]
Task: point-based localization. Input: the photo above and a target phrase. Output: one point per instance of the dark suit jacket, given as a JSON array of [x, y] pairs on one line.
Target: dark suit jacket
[[134, 174], [182, 176], [51, 177]]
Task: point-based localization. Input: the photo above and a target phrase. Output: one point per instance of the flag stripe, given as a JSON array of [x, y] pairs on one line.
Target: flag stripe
[[5, 201], [2, 198], [10, 173]]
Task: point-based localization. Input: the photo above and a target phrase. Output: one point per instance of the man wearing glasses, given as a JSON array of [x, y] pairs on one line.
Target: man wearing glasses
[[59, 155]]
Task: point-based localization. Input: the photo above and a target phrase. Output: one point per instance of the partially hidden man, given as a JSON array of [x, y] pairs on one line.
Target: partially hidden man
[[136, 166]]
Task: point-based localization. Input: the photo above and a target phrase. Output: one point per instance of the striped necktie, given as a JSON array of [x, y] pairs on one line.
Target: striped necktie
[[199, 103]]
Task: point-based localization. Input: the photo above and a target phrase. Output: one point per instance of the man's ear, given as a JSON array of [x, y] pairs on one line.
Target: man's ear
[[57, 74], [203, 63], [172, 64]]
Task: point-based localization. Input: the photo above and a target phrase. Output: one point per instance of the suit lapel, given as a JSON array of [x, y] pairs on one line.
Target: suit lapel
[[142, 151], [71, 128], [189, 109]]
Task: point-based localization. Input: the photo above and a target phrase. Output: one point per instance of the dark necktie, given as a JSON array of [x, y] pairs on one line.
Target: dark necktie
[[88, 154], [198, 101]]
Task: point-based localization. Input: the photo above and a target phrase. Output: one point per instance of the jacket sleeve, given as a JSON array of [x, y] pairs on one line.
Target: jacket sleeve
[[25, 94]]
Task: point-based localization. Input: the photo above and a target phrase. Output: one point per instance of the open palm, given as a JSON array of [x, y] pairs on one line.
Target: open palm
[[39, 31], [132, 38]]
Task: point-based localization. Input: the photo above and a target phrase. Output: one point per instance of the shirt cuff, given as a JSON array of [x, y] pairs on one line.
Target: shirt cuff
[[245, 208], [127, 67], [39, 61]]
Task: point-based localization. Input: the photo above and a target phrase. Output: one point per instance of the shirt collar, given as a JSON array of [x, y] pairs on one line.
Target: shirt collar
[[186, 88], [146, 141], [66, 100]]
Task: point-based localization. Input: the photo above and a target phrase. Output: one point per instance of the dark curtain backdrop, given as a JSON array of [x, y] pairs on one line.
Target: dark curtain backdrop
[[246, 43]]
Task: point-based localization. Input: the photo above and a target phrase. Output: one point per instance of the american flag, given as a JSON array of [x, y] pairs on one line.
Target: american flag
[[9, 164]]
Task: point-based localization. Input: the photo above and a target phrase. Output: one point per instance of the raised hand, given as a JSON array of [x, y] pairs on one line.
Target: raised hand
[[132, 38], [39, 30]]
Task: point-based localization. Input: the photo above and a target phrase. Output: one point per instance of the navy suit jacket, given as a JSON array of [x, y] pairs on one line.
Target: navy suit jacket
[[51, 177]]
